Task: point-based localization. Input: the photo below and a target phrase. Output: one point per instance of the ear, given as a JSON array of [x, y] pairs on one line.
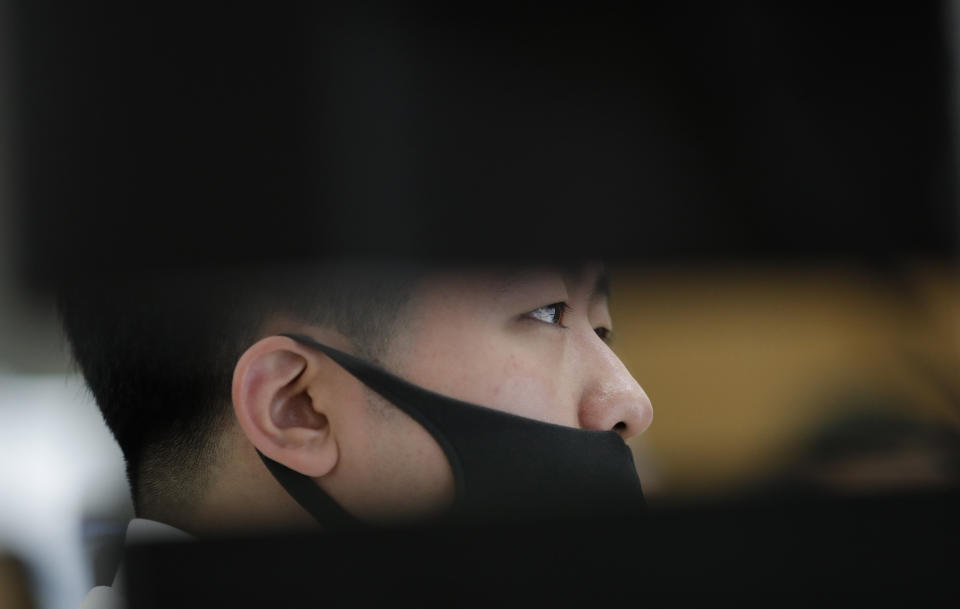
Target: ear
[[283, 396]]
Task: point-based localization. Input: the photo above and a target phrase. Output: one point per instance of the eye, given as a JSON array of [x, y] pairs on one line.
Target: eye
[[550, 314], [605, 334]]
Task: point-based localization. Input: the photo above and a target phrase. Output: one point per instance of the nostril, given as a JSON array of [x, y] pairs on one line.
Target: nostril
[[620, 426]]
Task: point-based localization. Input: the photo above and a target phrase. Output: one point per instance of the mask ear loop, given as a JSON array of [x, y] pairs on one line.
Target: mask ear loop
[[402, 394], [311, 497], [305, 491]]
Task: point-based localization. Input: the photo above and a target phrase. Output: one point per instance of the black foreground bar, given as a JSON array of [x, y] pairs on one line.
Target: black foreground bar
[[890, 550], [146, 136]]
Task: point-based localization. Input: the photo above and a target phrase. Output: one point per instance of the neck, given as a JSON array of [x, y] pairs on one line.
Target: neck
[[239, 496]]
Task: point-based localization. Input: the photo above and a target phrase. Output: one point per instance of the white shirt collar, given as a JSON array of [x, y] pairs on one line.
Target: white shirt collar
[[144, 530], [139, 530]]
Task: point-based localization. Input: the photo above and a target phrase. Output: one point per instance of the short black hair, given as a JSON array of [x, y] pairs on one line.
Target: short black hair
[[158, 352]]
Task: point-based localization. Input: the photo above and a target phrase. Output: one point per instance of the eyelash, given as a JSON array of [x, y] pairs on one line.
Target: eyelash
[[562, 309]]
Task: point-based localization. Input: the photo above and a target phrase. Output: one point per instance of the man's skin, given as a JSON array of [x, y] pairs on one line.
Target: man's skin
[[490, 338]]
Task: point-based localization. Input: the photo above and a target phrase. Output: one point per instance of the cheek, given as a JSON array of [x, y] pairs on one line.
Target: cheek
[[476, 359], [490, 375], [392, 470], [533, 391]]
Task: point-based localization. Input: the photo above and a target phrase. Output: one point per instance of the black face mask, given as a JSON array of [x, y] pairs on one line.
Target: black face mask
[[505, 467]]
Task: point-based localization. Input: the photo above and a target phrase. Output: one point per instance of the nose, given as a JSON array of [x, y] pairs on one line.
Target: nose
[[612, 399]]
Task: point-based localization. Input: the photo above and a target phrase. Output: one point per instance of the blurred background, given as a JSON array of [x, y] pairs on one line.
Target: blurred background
[[773, 187]]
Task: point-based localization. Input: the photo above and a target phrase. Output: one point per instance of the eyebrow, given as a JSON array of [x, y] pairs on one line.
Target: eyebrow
[[601, 286], [600, 289]]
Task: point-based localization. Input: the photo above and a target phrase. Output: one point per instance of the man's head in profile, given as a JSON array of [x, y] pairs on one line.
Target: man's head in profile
[[202, 381]]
